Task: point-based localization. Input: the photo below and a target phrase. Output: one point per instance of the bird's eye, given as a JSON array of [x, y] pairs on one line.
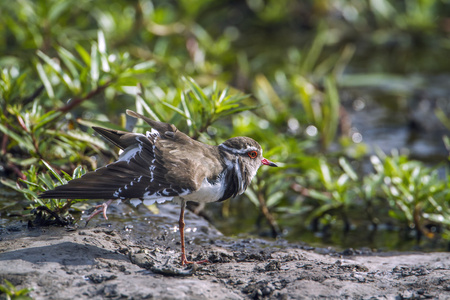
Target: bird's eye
[[252, 154]]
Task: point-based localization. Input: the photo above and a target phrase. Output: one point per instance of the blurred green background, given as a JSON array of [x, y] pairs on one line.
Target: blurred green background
[[350, 97]]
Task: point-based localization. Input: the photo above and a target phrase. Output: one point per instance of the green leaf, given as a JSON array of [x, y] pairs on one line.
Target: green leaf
[[347, 168], [26, 161], [235, 111], [67, 177], [49, 167], [101, 42], [45, 81], [226, 107], [103, 51], [47, 180], [314, 52], [330, 110], [29, 183], [72, 63], [78, 135], [57, 68], [325, 173], [140, 102], [145, 66], [223, 95], [46, 118], [318, 212], [97, 123], [176, 109], [78, 172], [319, 196], [377, 164], [57, 9], [11, 184], [84, 54], [252, 197], [274, 198], [186, 109], [195, 88], [95, 71], [342, 180], [26, 143]]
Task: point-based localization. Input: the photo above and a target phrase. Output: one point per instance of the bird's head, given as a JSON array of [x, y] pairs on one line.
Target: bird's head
[[246, 150]]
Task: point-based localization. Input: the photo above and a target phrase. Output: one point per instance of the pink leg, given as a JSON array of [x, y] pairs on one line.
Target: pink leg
[[183, 249], [100, 209]]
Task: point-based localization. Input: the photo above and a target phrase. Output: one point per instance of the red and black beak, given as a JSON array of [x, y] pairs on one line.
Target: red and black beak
[[268, 163]]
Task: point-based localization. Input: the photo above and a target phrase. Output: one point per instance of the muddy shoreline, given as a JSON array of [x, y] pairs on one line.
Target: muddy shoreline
[[110, 261]]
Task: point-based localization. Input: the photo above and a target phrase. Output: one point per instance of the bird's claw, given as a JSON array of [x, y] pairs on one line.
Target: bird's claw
[[102, 208], [184, 261]]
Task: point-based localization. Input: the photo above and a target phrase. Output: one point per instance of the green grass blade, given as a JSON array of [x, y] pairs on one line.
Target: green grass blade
[[45, 81], [49, 167]]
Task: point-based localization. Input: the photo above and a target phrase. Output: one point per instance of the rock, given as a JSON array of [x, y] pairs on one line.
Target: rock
[[105, 263]]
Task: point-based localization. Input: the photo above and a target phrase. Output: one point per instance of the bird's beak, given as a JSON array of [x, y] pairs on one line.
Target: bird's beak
[[268, 163]]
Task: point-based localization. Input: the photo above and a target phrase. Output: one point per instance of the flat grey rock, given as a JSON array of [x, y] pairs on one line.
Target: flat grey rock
[[101, 262]]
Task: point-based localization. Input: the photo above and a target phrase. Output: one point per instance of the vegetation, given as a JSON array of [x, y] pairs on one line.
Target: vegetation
[[273, 70], [11, 293]]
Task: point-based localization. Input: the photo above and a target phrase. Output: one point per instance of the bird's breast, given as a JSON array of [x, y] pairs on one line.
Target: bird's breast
[[208, 191]]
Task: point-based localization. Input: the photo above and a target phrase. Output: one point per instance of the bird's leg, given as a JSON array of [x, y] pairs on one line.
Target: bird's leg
[[100, 209], [183, 249], [181, 224]]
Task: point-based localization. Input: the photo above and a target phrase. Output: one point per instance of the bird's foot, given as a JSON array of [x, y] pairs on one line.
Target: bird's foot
[[184, 261], [100, 209]]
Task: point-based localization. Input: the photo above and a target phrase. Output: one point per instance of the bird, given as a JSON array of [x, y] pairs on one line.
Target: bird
[[166, 164]]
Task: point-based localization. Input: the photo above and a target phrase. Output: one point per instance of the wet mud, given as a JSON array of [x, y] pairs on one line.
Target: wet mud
[[113, 261]]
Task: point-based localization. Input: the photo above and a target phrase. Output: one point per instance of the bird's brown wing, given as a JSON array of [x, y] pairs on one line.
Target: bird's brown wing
[[158, 126], [140, 172], [121, 139], [159, 165], [187, 162]]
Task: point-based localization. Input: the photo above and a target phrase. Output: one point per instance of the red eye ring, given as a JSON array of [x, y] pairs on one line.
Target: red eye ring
[[252, 154]]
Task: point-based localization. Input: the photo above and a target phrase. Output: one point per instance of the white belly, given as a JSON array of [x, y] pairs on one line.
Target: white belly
[[206, 193]]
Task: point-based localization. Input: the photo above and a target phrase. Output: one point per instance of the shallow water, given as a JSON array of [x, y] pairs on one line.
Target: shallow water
[[141, 223], [401, 118], [138, 223]]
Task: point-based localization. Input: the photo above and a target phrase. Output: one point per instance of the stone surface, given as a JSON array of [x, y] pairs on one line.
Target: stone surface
[[104, 263]]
